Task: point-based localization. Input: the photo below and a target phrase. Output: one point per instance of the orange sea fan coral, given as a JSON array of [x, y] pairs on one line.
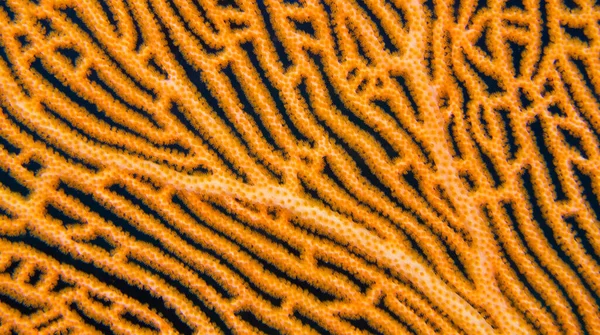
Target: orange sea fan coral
[[299, 167]]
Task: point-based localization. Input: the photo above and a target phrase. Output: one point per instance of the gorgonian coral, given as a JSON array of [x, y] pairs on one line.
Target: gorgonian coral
[[299, 167]]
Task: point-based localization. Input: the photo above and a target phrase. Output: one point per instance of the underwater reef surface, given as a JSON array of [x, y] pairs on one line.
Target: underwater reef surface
[[299, 167]]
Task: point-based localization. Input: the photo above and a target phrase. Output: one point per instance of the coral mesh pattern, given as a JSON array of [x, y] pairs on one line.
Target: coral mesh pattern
[[299, 167]]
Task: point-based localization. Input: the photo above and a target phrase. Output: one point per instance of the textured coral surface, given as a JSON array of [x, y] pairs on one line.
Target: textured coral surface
[[299, 167]]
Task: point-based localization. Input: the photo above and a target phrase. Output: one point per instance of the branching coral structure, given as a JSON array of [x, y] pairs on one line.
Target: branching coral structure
[[299, 167]]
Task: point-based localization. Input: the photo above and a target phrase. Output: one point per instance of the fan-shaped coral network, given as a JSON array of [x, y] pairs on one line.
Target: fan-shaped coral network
[[299, 167]]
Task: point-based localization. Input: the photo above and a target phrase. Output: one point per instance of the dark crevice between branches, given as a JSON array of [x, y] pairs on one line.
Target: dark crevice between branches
[[23, 307], [529, 318], [96, 324], [249, 109], [576, 33], [362, 324], [9, 147], [314, 325], [107, 214], [184, 119], [340, 105], [48, 322], [195, 77], [466, 98], [537, 131], [354, 156], [582, 112], [581, 236], [66, 220], [131, 318], [5, 215], [100, 242], [360, 47], [574, 141], [386, 310], [174, 148], [514, 225], [142, 295], [481, 42], [538, 218], [517, 50], [410, 178], [11, 70], [69, 53], [95, 78], [586, 184], [583, 71], [544, 36], [101, 299], [453, 135], [7, 9], [207, 47], [203, 15], [275, 240], [490, 167], [364, 169], [153, 65], [184, 290], [62, 285], [401, 81], [72, 15], [228, 4], [399, 12], [371, 261], [481, 4], [279, 48], [429, 5], [385, 106], [318, 292], [38, 66], [492, 85], [275, 301], [67, 157], [47, 26], [275, 94], [334, 37], [515, 4], [480, 117], [327, 171], [556, 110], [332, 266], [263, 327], [12, 267], [136, 233], [387, 41], [109, 15], [305, 27], [139, 38], [123, 192], [12, 183], [525, 101], [509, 132], [313, 193], [417, 248], [451, 252]]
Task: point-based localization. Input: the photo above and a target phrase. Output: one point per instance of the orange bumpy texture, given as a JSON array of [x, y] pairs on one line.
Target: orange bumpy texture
[[299, 167]]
